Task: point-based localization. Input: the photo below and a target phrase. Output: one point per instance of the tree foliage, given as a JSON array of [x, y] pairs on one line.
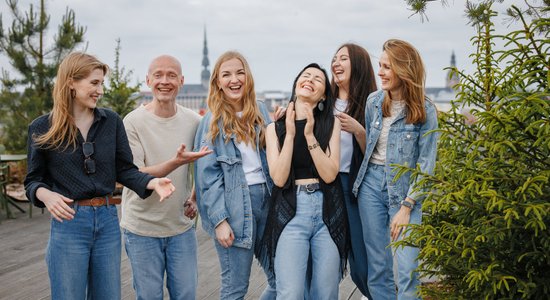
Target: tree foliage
[[35, 61], [120, 96], [485, 228]]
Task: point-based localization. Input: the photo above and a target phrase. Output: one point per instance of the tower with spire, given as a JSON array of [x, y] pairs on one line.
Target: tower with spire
[[443, 95], [205, 74], [452, 78]]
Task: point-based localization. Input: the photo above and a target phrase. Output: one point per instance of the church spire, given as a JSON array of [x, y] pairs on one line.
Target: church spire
[[453, 59], [205, 74], [452, 77]]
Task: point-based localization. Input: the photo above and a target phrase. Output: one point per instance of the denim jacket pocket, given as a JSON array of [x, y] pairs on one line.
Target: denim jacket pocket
[[408, 143], [230, 169]]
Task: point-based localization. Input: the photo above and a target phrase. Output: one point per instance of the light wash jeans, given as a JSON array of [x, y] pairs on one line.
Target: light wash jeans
[[236, 262], [307, 233], [83, 255], [151, 257], [376, 212], [357, 257]]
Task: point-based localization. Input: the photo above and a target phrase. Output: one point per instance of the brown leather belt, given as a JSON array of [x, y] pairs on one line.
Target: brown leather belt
[[99, 201]]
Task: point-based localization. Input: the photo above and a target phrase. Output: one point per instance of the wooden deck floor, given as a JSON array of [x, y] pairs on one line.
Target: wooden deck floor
[[23, 273]]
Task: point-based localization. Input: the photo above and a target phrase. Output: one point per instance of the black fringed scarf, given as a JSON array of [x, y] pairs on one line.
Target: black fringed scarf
[[283, 208]]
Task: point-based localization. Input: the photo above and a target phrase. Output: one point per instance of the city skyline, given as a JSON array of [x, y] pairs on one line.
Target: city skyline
[[278, 38]]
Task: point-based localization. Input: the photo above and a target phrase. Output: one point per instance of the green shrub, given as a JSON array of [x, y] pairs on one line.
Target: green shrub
[[485, 228]]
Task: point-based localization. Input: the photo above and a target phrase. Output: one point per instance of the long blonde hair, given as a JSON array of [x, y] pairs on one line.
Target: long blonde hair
[[407, 65], [244, 127], [63, 131]]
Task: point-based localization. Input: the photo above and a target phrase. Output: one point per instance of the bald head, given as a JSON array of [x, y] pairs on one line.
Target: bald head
[[164, 78], [165, 61]]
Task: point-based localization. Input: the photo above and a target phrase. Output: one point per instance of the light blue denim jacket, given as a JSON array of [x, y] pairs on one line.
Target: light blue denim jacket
[[220, 183], [408, 145]]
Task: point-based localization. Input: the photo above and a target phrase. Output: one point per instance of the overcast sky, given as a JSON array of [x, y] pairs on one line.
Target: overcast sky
[[278, 37]]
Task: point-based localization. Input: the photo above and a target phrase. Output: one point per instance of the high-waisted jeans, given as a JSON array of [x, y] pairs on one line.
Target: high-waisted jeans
[[83, 255], [307, 233], [236, 262], [376, 212]]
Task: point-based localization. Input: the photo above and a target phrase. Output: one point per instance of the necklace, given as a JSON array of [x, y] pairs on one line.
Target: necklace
[[341, 105], [339, 110]]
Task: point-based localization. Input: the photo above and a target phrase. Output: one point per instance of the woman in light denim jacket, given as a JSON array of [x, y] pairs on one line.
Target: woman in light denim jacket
[[233, 184], [399, 121]]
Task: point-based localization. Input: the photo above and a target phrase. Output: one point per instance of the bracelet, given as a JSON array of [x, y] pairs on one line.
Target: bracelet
[[407, 204], [313, 146]]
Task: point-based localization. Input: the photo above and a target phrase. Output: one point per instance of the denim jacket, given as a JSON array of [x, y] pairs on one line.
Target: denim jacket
[[220, 182], [408, 144]]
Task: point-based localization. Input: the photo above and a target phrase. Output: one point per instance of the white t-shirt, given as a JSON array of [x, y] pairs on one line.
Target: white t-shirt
[[252, 166], [379, 154], [346, 138]]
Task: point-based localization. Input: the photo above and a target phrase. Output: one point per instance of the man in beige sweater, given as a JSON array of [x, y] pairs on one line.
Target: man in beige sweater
[[159, 236]]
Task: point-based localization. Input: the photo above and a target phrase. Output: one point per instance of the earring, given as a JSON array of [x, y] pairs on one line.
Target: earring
[[321, 105]]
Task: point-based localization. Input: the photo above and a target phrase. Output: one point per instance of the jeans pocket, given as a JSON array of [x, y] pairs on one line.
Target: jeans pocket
[[113, 210]]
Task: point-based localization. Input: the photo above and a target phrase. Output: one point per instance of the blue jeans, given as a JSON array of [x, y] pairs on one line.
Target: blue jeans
[[307, 233], [151, 257], [358, 262], [376, 212], [236, 262], [83, 255]]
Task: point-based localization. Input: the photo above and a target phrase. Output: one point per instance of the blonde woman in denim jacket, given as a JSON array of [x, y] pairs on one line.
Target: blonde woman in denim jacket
[[233, 184], [399, 120]]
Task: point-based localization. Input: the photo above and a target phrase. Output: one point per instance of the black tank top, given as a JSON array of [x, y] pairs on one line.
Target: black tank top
[[301, 157]]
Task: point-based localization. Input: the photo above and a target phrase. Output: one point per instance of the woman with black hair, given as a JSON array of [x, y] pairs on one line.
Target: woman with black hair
[[307, 214]]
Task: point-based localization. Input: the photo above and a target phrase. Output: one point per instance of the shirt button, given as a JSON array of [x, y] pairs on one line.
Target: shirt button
[[408, 136], [377, 123]]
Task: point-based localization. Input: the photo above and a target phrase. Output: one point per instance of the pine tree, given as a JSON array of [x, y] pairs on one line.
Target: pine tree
[[487, 212], [29, 94], [120, 96]]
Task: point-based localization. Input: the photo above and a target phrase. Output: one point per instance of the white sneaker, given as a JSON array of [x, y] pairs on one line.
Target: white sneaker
[[364, 298]]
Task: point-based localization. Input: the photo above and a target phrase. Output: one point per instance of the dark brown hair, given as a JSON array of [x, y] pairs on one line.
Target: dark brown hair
[[362, 81]]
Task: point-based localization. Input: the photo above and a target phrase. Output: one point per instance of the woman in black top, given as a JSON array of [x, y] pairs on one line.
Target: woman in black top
[[307, 213], [76, 154]]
